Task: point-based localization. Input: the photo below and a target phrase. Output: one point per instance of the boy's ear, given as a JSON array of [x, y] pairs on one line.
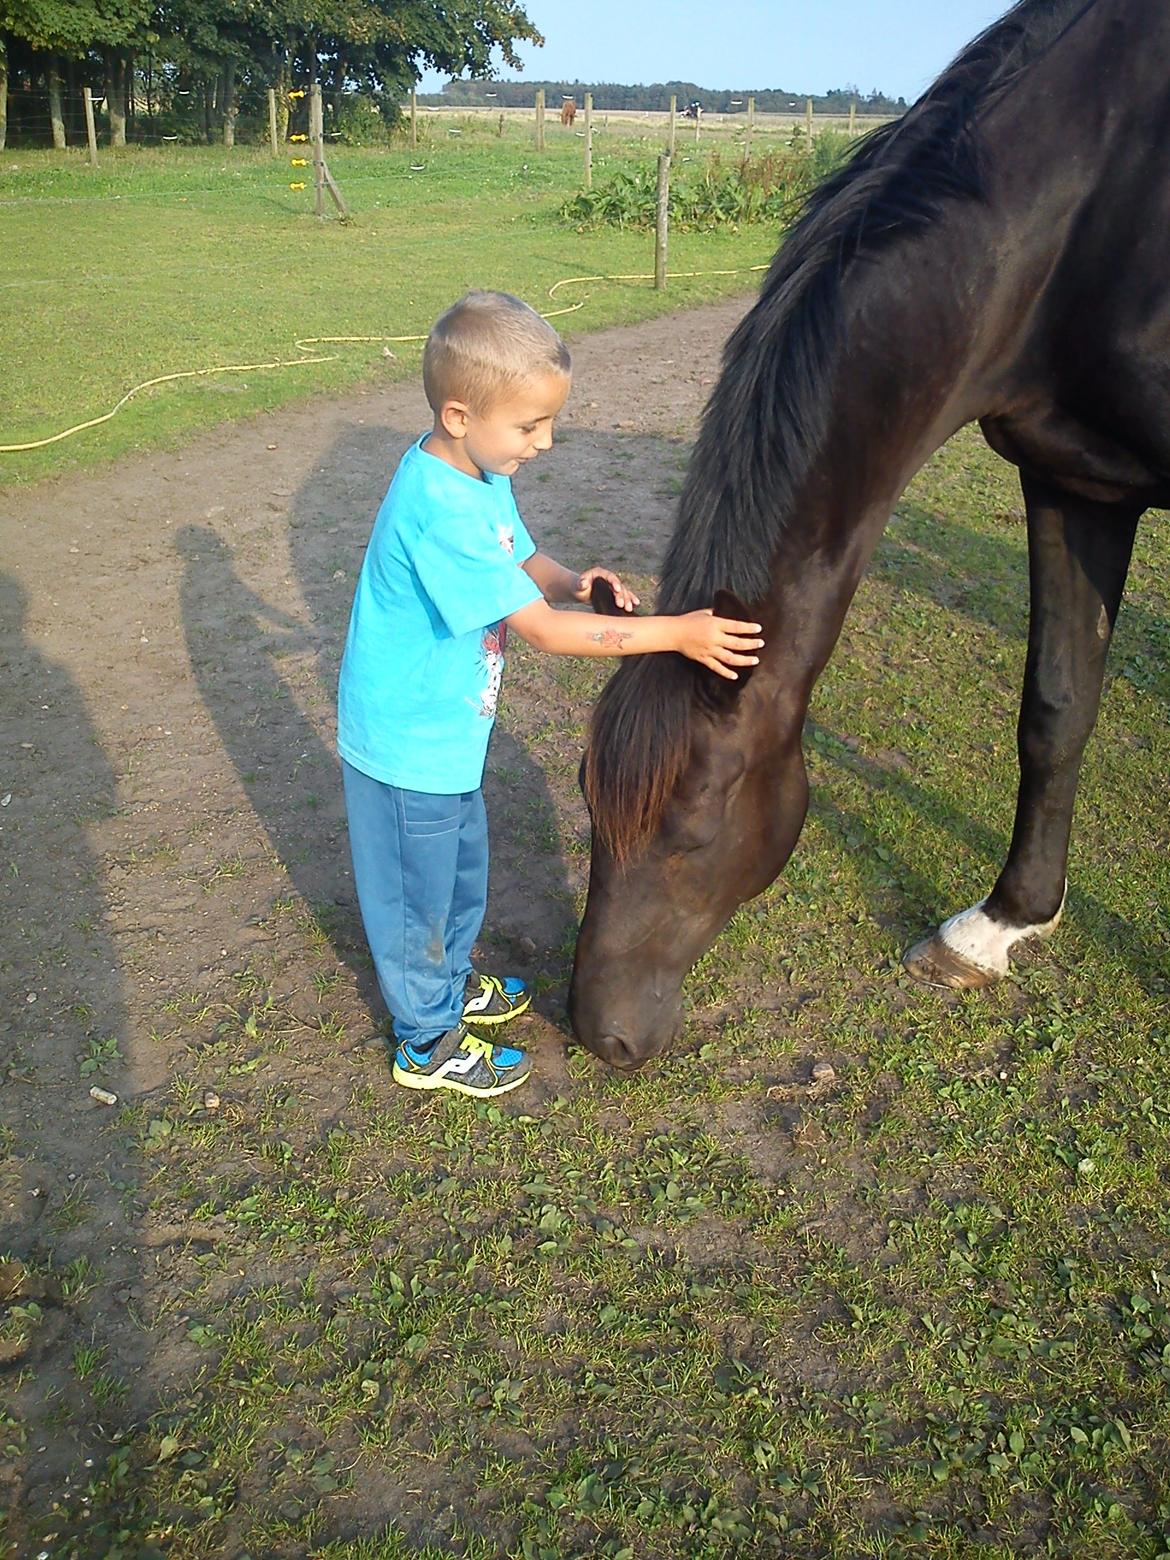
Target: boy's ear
[[602, 599], [453, 416]]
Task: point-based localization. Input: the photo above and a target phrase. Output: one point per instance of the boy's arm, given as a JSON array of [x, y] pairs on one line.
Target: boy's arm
[[721, 644], [552, 579], [564, 586]]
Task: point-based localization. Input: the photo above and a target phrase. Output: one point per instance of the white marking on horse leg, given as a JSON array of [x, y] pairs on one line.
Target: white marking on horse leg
[[975, 937]]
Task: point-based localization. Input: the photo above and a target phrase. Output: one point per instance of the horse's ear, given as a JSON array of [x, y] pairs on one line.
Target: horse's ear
[[728, 605], [722, 691], [602, 599]]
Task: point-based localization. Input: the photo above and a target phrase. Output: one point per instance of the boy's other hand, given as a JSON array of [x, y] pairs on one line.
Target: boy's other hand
[[624, 597], [719, 643]]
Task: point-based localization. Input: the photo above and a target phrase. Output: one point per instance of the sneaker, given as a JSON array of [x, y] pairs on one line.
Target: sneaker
[[494, 999], [462, 1061]]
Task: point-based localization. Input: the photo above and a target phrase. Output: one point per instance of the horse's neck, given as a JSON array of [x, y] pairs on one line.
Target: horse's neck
[[924, 329]]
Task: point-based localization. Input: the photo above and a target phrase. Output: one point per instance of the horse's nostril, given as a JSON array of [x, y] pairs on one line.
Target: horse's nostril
[[619, 1053]]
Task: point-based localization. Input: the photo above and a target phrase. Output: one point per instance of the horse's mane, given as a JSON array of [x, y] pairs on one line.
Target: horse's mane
[[767, 419]]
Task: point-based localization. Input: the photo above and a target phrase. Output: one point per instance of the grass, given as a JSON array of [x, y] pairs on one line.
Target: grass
[[918, 1308], [165, 261]]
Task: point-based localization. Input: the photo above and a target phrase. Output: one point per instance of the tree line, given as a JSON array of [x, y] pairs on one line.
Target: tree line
[[656, 97], [192, 67]]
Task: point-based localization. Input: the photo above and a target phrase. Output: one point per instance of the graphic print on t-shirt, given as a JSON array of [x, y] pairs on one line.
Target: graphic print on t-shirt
[[494, 642], [493, 656]]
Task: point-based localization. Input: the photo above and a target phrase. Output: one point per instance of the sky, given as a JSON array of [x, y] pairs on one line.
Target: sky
[[897, 46]]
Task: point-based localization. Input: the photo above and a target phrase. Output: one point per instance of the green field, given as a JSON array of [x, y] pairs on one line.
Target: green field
[[164, 261]]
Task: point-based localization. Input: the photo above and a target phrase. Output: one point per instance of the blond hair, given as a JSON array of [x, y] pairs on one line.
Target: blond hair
[[487, 344]]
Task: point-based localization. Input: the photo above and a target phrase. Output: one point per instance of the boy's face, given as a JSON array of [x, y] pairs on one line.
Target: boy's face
[[513, 431]]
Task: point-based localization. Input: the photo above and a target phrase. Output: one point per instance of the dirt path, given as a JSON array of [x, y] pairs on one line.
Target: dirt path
[[171, 835]]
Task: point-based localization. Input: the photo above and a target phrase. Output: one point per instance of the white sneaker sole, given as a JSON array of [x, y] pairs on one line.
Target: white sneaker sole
[[422, 1081], [488, 1020]]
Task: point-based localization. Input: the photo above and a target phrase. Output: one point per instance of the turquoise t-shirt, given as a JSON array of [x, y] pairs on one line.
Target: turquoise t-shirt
[[425, 652]]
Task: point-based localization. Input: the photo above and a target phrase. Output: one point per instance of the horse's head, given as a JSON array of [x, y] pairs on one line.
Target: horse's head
[[696, 806]]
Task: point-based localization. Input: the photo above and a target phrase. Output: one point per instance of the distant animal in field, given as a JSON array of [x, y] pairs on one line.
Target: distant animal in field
[[568, 111]]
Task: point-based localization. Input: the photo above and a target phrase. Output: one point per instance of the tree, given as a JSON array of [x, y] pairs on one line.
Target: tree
[[379, 45], [72, 29], [384, 45], [219, 47], [49, 30]]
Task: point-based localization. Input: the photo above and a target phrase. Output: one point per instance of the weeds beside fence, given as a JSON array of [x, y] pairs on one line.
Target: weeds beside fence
[[721, 192]]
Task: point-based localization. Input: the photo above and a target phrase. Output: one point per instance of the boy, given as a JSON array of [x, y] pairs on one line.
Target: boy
[[449, 570]]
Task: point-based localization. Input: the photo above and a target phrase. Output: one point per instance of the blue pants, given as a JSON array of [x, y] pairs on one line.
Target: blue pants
[[420, 865]]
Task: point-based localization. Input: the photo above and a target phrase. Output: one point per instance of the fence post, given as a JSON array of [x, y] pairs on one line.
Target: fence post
[[698, 120], [413, 118], [673, 111], [751, 122], [853, 117], [90, 131], [272, 140], [540, 119], [316, 126], [662, 225], [808, 123], [500, 124], [588, 140]]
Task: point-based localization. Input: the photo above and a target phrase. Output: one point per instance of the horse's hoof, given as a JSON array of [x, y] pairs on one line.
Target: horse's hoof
[[934, 963]]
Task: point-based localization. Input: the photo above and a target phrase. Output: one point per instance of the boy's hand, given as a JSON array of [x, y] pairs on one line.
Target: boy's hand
[[622, 595], [718, 643]]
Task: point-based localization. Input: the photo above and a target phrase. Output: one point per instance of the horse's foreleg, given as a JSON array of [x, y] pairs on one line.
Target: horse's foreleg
[[1078, 558]]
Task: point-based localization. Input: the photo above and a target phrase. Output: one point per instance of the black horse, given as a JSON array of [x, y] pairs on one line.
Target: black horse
[[997, 254]]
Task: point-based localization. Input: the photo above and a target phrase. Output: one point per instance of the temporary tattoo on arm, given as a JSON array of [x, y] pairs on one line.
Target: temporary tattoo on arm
[[611, 638]]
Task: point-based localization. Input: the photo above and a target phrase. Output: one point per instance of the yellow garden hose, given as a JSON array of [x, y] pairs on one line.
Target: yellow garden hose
[[304, 343], [162, 379]]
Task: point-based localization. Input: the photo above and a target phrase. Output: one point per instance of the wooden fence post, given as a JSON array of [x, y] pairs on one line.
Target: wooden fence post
[[751, 122], [853, 117], [413, 118], [322, 179], [698, 120], [315, 132], [588, 140], [673, 111], [90, 131], [540, 119], [500, 124], [808, 123], [662, 224], [272, 139]]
